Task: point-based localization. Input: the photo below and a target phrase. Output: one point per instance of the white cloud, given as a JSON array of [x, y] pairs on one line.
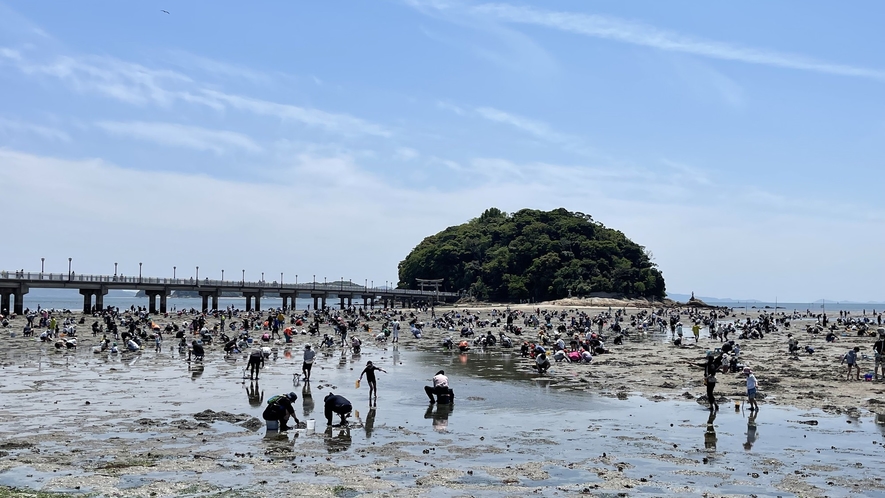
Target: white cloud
[[611, 28], [13, 126], [215, 67], [9, 53], [536, 128], [344, 124], [177, 135], [406, 154], [696, 240], [139, 85]]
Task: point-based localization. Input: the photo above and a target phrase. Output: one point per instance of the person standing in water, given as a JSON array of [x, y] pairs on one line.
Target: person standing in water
[[369, 372], [752, 385], [309, 355]]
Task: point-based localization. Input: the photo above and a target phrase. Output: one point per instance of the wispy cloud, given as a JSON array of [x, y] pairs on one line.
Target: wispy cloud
[[611, 28], [140, 85], [9, 53], [406, 154], [177, 135], [341, 123], [537, 129], [13, 126], [187, 60]]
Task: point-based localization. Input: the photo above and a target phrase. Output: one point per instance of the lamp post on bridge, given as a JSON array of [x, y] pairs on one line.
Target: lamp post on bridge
[[262, 277], [281, 280], [244, 278], [42, 261], [173, 272], [69, 268], [139, 272], [198, 275], [341, 285], [115, 271], [222, 276]]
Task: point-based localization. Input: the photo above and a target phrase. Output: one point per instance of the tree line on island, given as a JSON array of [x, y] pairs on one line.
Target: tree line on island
[[533, 254]]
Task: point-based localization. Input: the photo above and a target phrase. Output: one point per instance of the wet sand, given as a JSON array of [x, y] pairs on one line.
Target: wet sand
[[145, 430]]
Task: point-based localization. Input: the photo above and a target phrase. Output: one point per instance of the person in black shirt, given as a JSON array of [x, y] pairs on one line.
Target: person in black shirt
[[879, 348], [369, 372], [335, 403], [256, 361]]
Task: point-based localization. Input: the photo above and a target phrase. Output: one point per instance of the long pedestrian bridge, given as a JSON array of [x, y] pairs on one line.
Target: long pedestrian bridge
[[15, 284]]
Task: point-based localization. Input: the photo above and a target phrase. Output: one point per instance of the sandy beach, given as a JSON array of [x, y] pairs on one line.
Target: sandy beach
[[149, 424]]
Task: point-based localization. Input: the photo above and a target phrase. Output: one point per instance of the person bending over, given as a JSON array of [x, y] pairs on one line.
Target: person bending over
[[334, 403], [440, 387], [280, 408]]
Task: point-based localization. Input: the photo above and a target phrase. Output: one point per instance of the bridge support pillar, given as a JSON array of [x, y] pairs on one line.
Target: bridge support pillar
[[163, 307], [349, 301], [249, 296], [99, 298], [372, 303], [288, 300], [152, 301], [19, 306], [365, 302], [4, 301], [316, 302], [342, 302], [204, 305], [87, 300], [214, 301]]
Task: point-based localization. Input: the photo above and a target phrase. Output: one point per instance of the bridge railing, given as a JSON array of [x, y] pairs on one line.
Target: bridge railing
[[332, 288]]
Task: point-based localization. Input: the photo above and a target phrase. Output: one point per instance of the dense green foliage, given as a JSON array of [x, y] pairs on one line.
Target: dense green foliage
[[531, 254]]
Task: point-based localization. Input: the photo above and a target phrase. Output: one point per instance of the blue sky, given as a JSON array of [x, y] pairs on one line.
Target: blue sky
[[742, 144]]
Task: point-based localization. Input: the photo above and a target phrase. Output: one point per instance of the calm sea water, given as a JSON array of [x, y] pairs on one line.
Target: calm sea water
[[70, 299]]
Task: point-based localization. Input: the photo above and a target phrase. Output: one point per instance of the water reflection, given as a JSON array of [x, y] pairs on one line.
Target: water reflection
[[256, 398], [440, 414], [337, 442], [196, 371], [751, 431], [307, 399], [370, 422], [710, 433]]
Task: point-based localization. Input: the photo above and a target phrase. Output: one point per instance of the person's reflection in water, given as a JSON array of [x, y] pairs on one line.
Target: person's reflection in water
[[751, 432], [256, 398], [196, 371], [710, 433], [307, 399], [370, 422], [440, 415], [339, 442]]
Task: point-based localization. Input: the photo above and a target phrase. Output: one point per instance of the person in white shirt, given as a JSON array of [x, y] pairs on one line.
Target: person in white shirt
[[309, 355], [752, 384], [440, 388]]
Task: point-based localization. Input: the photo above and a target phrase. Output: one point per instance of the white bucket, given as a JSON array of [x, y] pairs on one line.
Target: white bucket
[[311, 424]]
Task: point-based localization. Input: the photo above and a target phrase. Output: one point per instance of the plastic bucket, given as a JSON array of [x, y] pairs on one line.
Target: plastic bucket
[[273, 425], [311, 424]]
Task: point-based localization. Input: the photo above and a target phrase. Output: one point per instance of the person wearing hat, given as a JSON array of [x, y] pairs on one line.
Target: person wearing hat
[[879, 349], [334, 403], [752, 385], [280, 408], [369, 372], [309, 355]]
